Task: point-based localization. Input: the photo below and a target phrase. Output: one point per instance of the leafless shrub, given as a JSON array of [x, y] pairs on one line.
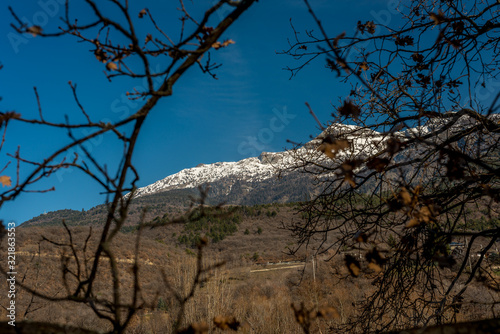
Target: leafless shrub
[[411, 150]]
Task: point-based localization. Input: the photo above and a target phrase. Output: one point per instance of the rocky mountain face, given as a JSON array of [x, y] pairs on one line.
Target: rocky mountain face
[[244, 181], [281, 173], [223, 175], [276, 177]]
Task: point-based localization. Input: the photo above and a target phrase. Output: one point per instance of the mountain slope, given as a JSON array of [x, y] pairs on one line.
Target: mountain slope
[[266, 170], [271, 177]]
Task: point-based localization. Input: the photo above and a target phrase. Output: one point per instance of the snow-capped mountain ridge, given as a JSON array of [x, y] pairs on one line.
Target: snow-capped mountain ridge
[[254, 169], [362, 143], [249, 169]]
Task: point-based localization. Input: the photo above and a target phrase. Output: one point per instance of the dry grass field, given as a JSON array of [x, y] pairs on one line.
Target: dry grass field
[[257, 284]]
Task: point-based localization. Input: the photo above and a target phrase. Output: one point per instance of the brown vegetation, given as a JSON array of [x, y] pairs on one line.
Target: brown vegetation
[[325, 297]]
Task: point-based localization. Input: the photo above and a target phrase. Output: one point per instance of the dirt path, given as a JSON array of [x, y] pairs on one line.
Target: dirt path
[[146, 262], [278, 268]]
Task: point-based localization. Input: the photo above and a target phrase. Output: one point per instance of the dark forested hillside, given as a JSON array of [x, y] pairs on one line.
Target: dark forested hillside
[[291, 188]]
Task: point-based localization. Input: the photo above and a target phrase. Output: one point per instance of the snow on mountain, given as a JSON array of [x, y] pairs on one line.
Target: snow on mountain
[[247, 169], [264, 167], [362, 143]]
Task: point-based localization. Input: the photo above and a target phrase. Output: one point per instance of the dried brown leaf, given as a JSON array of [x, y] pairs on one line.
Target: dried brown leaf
[[111, 66], [349, 109], [349, 178], [217, 45], [445, 261], [364, 66], [34, 30], [352, 265], [394, 146], [301, 314], [455, 43], [207, 30], [196, 328], [375, 267], [347, 168], [361, 237], [342, 64], [413, 223], [417, 190], [425, 214], [417, 57], [337, 39], [101, 55], [369, 26], [405, 196], [228, 42], [332, 66], [4, 117], [438, 18], [458, 26], [5, 181], [328, 312], [375, 260], [404, 40], [331, 146], [378, 164], [226, 322]]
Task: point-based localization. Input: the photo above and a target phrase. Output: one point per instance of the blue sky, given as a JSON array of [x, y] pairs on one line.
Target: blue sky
[[252, 107]]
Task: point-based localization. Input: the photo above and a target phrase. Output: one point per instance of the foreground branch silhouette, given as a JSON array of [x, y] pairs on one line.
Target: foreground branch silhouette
[[410, 157], [131, 60]]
